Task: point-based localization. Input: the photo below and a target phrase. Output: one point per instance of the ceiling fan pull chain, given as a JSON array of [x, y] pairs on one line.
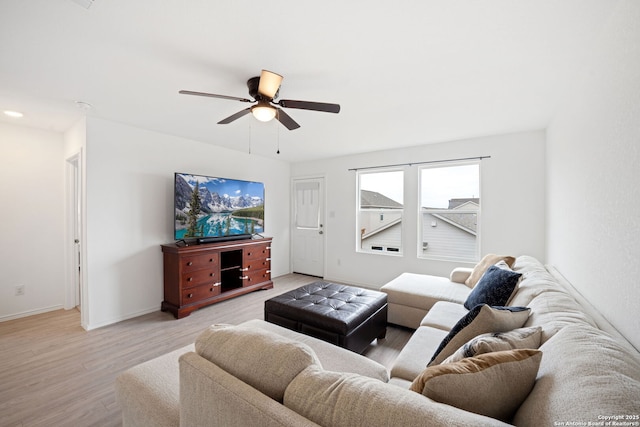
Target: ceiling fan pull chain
[[278, 152]]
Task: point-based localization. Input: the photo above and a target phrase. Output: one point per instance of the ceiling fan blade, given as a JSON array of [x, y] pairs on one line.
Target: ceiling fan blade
[[286, 119], [235, 116], [308, 105], [213, 95], [269, 84]]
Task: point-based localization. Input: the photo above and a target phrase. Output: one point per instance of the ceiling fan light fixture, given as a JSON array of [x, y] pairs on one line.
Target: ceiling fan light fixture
[[263, 112], [14, 114]]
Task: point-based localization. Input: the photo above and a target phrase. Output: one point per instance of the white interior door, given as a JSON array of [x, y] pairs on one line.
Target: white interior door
[[74, 226], [308, 226]]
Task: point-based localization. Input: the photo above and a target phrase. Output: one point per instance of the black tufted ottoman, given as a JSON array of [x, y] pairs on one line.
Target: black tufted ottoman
[[342, 315]]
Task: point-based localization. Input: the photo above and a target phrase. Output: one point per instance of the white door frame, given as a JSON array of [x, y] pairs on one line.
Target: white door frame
[[322, 230], [75, 242]]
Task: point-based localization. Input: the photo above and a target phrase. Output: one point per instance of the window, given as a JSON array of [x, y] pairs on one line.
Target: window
[[449, 212], [380, 208]]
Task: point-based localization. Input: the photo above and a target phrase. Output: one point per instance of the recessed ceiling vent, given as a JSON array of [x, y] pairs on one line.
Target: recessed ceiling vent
[[84, 3]]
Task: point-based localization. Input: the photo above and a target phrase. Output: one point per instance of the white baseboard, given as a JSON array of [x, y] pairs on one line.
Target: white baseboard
[[351, 283], [29, 313], [120, 319]]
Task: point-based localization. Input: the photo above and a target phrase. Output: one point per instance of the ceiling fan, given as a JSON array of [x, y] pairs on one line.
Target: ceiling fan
[[264, 90]]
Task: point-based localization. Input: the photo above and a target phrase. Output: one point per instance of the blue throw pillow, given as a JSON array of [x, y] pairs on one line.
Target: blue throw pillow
[[494, 288]]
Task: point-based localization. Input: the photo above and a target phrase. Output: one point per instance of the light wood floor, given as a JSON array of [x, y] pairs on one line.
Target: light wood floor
[[54, 373]]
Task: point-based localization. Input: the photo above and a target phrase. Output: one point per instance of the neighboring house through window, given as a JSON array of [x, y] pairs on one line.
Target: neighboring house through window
[[450, 212], [380, 211]]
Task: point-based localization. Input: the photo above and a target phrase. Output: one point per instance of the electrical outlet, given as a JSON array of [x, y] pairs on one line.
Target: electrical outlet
[[19, 290]]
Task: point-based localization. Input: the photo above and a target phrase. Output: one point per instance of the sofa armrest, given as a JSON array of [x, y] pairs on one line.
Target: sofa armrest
[[148, 393], [460, 274], [210, 396]]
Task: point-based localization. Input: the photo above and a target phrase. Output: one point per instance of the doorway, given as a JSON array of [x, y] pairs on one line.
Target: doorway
[[308, 231], [74, 290]]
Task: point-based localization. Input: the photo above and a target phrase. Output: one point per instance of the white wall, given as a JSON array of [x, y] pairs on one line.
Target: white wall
[[513, 198], [129, 196], [32, 222], [593, 176]]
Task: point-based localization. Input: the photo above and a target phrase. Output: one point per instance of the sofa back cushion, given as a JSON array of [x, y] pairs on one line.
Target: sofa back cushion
[[552, 306], [584, 375], [262, 359], [346, 400]]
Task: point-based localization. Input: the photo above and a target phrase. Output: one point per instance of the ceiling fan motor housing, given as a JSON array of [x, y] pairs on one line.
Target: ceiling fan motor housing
[[253, 83]]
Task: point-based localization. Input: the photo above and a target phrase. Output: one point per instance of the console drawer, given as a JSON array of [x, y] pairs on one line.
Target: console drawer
[[255, 276], [257, 252], [197, 262], [199, 277], [200, 293]]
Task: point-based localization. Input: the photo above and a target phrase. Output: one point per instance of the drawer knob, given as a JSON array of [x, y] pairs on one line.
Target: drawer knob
[[211, 260], [217, 284], [244, 277], [211, 274], [190, 263], [190, 279], [268, 248], [268, 259], [245, 269], [190, 296]]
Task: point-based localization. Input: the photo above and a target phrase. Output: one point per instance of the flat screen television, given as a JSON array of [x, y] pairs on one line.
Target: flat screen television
[[210, 208]]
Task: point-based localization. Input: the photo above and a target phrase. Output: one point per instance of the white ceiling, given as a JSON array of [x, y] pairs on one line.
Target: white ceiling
[[405, 72]]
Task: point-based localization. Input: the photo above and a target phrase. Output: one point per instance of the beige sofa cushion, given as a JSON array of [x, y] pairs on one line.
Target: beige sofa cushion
[[479, 320], [332, 357], [491, 384], [422, 291], [416, 354], [444, 315], [584, 375], [484, 264], [346, 400], [265, 360]]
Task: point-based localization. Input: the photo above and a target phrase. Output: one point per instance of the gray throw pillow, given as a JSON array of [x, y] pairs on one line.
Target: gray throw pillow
[[479, 320], [498, 341]]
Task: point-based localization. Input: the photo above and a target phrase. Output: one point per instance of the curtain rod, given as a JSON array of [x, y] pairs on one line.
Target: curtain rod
[[421, 163]]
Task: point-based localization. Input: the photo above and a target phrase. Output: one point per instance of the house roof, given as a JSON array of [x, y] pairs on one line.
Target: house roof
[[456, 203], [465, 221], [404, 73], [373, 199]]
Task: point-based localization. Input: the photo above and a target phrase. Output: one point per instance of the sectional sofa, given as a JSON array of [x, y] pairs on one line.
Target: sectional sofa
[[540, 359]]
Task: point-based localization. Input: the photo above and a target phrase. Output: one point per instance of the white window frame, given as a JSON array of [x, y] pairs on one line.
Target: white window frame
[[390, 250], [474, 257]]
